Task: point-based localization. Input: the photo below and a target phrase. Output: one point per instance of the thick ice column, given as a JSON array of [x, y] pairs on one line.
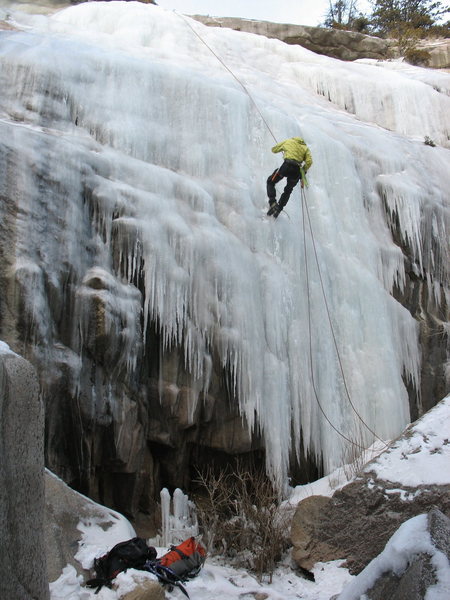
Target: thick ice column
[[178, 518]]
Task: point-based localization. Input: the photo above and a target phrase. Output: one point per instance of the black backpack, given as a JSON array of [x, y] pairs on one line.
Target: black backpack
[[126, 555]]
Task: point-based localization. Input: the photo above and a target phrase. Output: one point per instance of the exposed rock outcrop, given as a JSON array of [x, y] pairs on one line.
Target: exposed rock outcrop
[[338, 528], [346, 45], [439, 53], [356, 523], [23, 569], [6, 26], [66, 514]]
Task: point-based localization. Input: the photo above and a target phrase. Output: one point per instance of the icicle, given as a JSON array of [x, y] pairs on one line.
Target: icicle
[[165, 517]]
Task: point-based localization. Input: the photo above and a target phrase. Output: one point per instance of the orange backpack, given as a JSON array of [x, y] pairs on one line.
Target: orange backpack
[[185, 560]]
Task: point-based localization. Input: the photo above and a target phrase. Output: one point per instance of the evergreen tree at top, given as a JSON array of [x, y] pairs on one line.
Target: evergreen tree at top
[[392, 17]]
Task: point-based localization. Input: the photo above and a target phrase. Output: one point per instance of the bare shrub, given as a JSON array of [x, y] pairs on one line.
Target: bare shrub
[[417, 56], [240, 517], [354, 455], [359, 452]]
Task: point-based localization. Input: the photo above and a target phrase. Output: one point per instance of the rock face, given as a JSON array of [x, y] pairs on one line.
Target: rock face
[[439, 51], [66, 513], [303, 524], [337, 528], [23, 569], [346, 45], [334, 528], [419, 571], [429, 312]]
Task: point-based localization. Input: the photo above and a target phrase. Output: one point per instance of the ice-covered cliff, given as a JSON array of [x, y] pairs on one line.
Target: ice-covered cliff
[[166, 314]]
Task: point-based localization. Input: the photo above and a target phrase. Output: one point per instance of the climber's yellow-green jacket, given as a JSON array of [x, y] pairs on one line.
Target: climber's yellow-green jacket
[[296, 149]]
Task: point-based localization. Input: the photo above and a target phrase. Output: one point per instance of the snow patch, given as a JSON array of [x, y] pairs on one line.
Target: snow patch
[[422, 456]]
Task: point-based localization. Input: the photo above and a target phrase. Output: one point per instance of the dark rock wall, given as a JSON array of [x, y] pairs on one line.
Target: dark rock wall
[[425, 295], [23, 569], [432, 316]]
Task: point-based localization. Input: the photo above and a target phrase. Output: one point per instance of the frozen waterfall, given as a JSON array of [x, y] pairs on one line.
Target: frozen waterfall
[[156, 161]]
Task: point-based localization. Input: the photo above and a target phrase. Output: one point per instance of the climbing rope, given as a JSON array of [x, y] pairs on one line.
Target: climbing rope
[[304, 210], [231, 73]]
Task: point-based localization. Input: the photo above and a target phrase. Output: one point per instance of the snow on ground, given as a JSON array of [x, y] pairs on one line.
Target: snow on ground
[[420, 458], [423, 457], [5, 349], [326, 486], [217, 580]]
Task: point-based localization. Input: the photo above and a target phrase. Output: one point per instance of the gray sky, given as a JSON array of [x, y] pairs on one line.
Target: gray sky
[[302, 12]]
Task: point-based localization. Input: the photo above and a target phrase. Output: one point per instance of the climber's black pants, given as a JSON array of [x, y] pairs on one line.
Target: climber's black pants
[[289, 169]]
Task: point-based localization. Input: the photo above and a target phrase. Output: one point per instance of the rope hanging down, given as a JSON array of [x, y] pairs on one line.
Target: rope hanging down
[[304, 210], [311, 368], [231, 73]]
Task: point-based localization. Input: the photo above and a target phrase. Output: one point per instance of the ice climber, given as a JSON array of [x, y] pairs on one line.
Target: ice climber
[[297, 160]]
